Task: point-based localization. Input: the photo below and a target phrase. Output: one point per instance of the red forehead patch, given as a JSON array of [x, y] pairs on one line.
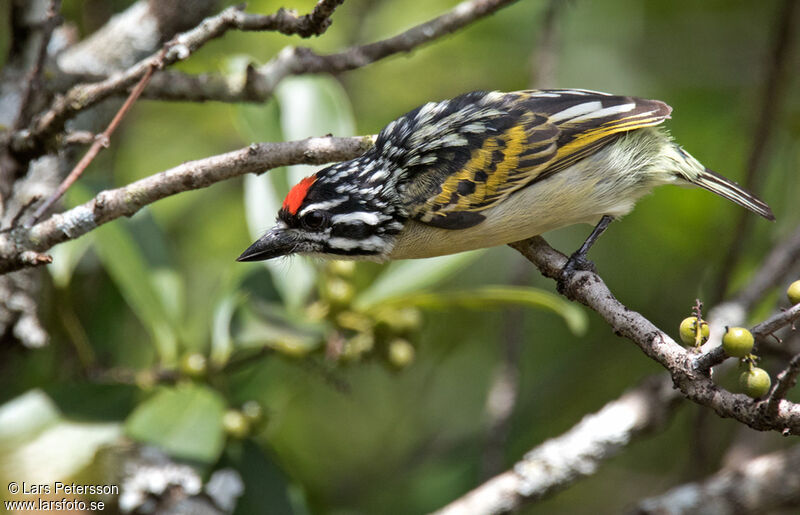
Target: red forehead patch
[[297, 194]]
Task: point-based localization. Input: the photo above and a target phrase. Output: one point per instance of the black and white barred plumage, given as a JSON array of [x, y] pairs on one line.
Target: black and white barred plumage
[[488, 168]]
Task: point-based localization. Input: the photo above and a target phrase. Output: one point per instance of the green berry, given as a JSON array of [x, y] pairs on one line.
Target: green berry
[[194, 365], [794, 293], [342, 268], [235, 423], [252, 411], [688, 331], [755, 383], [737, 342], [401, 353], [339, 291]]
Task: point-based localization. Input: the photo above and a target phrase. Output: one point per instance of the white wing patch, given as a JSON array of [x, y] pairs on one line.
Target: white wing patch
[[605, 112], [577, 110]]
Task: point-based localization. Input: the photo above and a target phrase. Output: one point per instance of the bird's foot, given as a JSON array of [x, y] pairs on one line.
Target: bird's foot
[[577, 262]]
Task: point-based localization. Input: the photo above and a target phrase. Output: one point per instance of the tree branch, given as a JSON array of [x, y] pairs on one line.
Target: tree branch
[[760, 485], [259, 83], [561, 461], [688, 369], [82, 96], [19, 244]]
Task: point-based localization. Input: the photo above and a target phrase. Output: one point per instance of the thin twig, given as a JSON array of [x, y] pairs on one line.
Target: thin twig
[[31, 141], [79, 138], [259, 83], [772, 96], [102, 141], [777, 321], [765, 329], [33, 80], [785, 381]]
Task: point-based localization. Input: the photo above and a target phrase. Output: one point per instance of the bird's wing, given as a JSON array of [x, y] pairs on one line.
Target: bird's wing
[[477, 149]]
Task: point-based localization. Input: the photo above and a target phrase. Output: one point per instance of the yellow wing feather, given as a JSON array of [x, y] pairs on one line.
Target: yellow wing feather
[[532, 148]]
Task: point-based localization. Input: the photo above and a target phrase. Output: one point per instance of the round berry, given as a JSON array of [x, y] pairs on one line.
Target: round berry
[[339, 291], [794, 293], [755, 383], [194, 365], [688, 330], [737, 342], [235, 423], [253, 412], [401, 353]]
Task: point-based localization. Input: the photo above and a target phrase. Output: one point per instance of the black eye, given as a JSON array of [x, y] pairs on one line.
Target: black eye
[[314, 220]]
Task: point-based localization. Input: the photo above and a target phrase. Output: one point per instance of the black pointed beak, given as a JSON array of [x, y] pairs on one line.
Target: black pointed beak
[[275, 243]]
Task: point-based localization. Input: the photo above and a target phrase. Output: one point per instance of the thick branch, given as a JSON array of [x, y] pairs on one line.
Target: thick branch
[[18, 245], [561, 461], [685, 367], [761, 485]]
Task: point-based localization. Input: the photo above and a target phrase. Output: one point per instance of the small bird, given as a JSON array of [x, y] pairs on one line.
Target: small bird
[[486, 169]]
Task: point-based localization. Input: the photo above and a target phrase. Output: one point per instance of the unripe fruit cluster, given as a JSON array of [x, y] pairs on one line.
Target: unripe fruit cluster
[[386, 331], [737, 342]]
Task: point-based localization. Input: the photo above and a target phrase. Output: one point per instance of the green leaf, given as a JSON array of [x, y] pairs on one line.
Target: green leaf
[[126, 265], [487, 297], [294, 277], [38, 444], [276, 331], [266, 485], [309, 106], [221, 340], [402, 277], [185, 421], [66, 257]]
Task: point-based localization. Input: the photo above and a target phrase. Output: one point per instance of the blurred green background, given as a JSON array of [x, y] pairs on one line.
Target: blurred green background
[[373, 397]]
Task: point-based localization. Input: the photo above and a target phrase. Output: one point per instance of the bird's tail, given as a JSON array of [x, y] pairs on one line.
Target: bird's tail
[[692, 171], [715, 183]]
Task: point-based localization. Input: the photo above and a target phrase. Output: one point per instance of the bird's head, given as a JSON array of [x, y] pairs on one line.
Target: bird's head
[[343, 211]]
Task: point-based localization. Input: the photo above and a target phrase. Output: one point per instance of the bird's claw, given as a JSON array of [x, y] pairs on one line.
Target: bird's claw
[[577, 262]]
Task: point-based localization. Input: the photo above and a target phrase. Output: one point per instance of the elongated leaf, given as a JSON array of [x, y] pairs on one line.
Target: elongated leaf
[[487, 297], [402, 277], [66, 257], [293, 277], [125, 264], [221, 339], [276, 331], [185, 421], [313, 105]]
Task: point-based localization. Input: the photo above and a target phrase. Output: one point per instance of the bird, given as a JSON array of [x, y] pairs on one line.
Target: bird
[[488, 168]]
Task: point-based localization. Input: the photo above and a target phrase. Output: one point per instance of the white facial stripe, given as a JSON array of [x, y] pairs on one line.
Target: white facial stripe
[[321, 205], [358, 216], [577, 110], [371, 243], [608, 111]]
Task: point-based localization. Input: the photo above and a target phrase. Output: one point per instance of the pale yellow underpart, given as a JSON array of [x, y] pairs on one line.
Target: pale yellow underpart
[[608, 182]]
